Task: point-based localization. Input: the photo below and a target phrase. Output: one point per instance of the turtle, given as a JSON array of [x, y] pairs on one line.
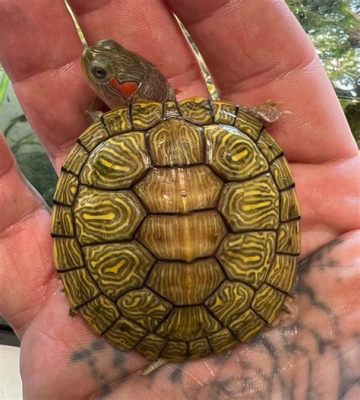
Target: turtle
[[175, 223]]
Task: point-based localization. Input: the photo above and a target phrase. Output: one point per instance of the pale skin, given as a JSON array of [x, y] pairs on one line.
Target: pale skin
[[256, 52]]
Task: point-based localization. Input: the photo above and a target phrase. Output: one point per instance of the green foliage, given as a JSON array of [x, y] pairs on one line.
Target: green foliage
[[352, 112], [37, 169], [4, 83], [31, 157], [334, 28]]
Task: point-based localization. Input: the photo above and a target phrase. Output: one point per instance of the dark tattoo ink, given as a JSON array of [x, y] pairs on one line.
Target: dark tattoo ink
[[175, 375], [284, 362], [89, 357]]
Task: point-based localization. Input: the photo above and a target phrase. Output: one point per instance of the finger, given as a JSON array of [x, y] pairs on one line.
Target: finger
[[42, 57], [64, 357], [256, 52], [26, 268], [322, 219]]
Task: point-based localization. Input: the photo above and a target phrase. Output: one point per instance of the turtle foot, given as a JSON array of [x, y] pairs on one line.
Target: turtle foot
[[289, 312], [154, 366], [94, 116], [268, 112]]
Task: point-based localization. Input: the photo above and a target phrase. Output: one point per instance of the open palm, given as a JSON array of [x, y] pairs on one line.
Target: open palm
[[256, 51]]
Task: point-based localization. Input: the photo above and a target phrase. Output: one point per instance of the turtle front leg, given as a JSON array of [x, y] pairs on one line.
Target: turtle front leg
[[289, 312], [95, 111], [268, 112]]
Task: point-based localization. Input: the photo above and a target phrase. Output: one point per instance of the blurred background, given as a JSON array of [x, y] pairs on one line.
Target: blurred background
[[334, 27]]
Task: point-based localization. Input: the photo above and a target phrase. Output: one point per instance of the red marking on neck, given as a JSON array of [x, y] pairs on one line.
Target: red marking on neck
[[125, 88]]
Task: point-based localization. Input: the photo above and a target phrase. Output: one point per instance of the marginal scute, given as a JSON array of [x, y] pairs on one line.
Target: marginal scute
[[125, 334], [62, 221], [76, 159], [197, 110], [172, 237], [281, 173], [79, 286], [246, 326], [188, 323], [166, 190], [229, 301], [289, 205], [117, 162], [267, 302], [145, 114], [176, 228], [289, 237], [199, 348], [170, 109], [117, 121], [183, 283], [174, 351], [151, 346], [104, 216], [118, 267], [144, 307], [66, 189], [248, 124], [268, 146], [67, 254], [282, 272], [176, 142], [100, 313], [222, 341], [247, 256], [224, 112], [232, 154], [253, 204], [93, 135]]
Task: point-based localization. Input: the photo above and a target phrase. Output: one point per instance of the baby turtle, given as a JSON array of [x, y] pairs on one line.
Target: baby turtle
[[175, 223]]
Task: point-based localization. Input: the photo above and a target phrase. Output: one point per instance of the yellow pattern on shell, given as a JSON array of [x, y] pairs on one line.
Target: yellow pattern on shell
[[166, 190], [247, 256], [103, 216], [176, 228], [232, 154], [172, 237], [117, 162], [253, 204], [175, 280], [176, 142]]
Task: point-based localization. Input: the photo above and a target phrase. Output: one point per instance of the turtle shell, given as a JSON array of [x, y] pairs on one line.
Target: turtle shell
[[176, 228]]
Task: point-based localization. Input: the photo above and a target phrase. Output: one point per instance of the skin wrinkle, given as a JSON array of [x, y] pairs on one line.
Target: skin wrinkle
[[268, 75], [205, 24], [16, 10], [209, 13], [5, 230], [80, 8], [43, 286]]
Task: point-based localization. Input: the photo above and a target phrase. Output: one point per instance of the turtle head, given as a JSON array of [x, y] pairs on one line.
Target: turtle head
[[114, 73], [119, 76]]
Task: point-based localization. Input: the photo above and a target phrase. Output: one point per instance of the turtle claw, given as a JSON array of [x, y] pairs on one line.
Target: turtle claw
[[94, 116], [289, 312], [72, 312], [268, 112], [96, 110], [154, 366]]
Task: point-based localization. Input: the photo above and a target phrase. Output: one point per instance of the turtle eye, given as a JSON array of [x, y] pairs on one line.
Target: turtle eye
[[99, 73]]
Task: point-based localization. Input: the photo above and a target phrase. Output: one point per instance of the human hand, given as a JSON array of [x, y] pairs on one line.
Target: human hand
[[256, 52]]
